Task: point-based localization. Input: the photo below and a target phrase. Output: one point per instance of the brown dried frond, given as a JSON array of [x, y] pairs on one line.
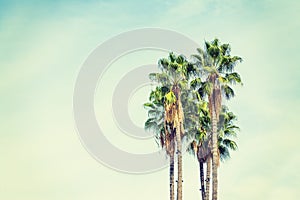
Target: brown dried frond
[[170, 112], [194, 146]]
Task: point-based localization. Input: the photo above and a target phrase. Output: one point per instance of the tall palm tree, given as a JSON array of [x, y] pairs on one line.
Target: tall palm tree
[[175, 73], [157, 124], [199, 146], [217, 66], [227, 132]]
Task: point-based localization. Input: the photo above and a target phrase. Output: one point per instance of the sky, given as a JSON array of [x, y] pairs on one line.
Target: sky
[[43, 45]]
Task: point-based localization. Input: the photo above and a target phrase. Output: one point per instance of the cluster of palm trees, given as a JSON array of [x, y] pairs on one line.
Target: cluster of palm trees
[[186, 108]]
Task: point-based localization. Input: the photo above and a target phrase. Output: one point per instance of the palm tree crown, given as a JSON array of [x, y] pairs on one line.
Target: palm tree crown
[[217, 69]]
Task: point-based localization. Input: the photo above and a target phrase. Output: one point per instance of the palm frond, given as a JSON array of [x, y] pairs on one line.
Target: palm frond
[[224, 153], [205, 89], [233, 78], [149, 106], [227, 63], [229, 133], [180, 59], [225, 49], [163, 64], [207, 45], [172, 57], [230, 144], [196, 83], [151, 125], [227, 91]]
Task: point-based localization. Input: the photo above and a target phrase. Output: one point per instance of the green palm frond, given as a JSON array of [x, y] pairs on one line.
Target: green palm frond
[[164, 90], [161, 78], [163, 64], [205, 89], [225, 48], [230, 116], [224, 152], [207, 45], [230, 144], [227, 91], [172, 57], [233, 127], [223, 80], [233, 78], [227, 63], [229, 133], [214, 52], [152, 125], [157, 113], [209, 69], [196, 83], [174, 66], [200, 51], [180, 59], [199, 59], [191, 70], [157, 96], [183, 84], [215, 42], [149, 106]]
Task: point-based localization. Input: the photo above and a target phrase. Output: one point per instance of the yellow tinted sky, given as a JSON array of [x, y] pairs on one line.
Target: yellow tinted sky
[[42, 48]]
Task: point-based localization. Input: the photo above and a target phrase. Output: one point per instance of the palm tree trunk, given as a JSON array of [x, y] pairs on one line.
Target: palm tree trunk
[[208, 168], [202, 179], [178, 122], [179, 181], [172, 194], [214, 155]]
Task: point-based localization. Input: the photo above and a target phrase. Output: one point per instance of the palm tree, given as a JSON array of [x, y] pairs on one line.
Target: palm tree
[[217, 65], [175, 73], [157, 124], [227, 132], [199, 146]]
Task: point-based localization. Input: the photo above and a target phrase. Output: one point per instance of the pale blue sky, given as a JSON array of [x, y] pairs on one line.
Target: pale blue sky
[[42, 47]]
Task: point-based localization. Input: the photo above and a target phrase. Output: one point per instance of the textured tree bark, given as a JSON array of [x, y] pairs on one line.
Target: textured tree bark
[[172, 194], [179, 181], [208, 171], [214, 156], [202, 179], [178, 123]]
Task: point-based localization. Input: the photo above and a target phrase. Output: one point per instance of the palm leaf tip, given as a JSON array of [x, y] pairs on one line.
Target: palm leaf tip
[[233, 78], [148, 105], [228, 92], [230, 144]]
